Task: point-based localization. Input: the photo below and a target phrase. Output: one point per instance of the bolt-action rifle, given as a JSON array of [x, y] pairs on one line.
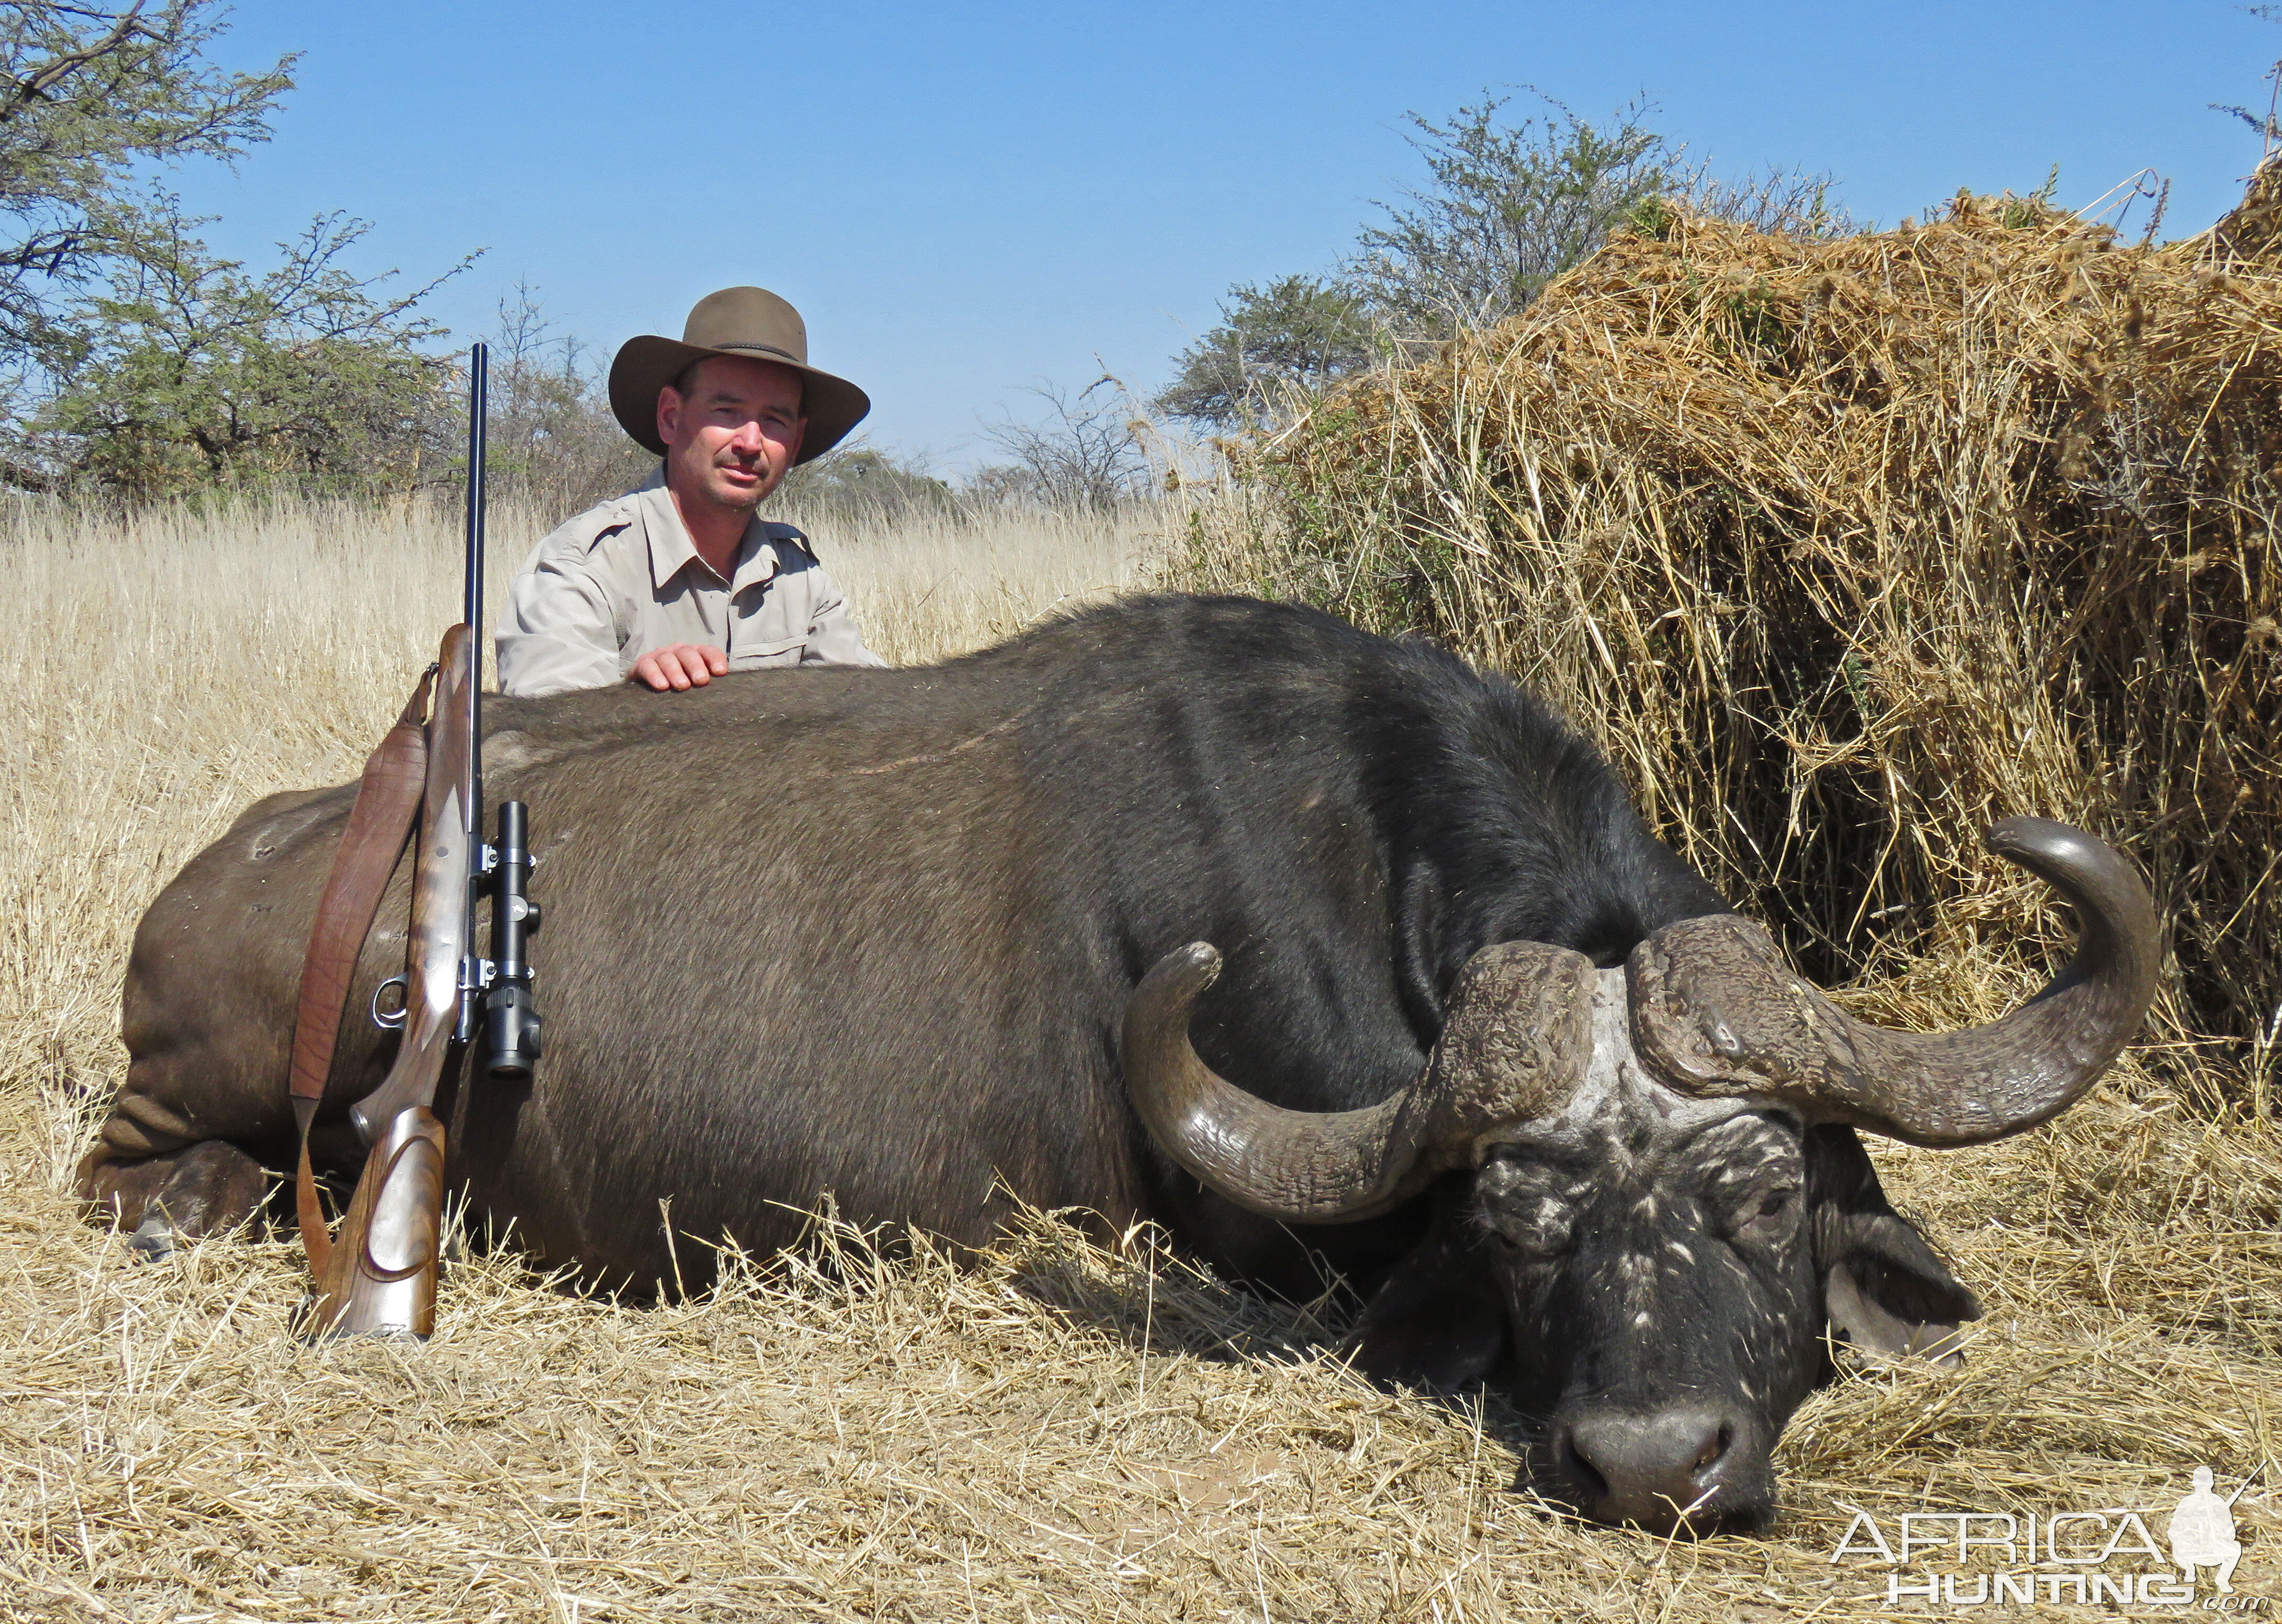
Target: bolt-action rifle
[[378, 1276]]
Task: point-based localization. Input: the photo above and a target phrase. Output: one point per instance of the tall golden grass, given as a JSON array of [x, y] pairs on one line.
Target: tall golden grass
[[1845, 548], [177, 664], [1060, 1431]]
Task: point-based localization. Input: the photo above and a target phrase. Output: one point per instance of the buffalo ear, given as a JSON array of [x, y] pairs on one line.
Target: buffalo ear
[[1435, 1325], [1889, 1296], [1886, 1291]]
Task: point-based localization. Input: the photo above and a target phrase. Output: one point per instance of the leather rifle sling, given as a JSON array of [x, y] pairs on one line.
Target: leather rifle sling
[[387, 805]]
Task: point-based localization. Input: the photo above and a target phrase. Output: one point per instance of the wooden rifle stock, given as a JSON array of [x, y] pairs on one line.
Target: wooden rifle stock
[[379, 1277]]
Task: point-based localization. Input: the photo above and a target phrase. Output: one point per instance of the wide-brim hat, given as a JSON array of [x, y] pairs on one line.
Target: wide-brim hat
[[751, 323]]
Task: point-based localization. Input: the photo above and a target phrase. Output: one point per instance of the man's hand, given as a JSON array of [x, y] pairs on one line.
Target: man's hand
[[684, 666]]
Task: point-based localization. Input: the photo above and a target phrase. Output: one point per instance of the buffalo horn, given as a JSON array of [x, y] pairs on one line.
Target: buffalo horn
[[1715, 1011], [1516, 1043]]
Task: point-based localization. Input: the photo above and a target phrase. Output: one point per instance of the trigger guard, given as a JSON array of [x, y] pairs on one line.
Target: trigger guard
[[393, 1022]]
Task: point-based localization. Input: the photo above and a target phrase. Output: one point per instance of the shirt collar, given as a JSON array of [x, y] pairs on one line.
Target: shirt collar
[[672, 551]]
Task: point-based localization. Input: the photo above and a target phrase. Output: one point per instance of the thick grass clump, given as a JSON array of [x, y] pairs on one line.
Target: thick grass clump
[[1844, 549]]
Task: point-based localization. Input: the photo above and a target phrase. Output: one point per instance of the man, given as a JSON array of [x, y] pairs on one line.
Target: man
[[681, 581]]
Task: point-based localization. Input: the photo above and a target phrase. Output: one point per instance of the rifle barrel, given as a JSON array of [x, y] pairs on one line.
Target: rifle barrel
[[479, 388], [478, 381]]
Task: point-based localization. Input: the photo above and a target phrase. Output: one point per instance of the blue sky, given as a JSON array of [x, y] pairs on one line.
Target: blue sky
[[964, 199]]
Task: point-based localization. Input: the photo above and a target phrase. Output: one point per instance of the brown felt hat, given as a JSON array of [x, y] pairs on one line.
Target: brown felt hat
[[750, 322]]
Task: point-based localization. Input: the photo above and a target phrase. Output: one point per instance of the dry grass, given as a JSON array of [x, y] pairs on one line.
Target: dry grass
[[927, 586], [1846, 548], [1063, 1432]]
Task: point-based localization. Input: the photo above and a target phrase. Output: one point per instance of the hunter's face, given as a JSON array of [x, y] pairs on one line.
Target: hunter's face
[[733, 437]]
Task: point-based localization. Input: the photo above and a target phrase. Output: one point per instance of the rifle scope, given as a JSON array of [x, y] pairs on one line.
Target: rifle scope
[[510, 1016]]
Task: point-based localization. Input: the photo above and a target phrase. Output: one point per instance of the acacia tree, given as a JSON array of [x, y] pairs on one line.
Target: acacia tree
[[1083, 452], [88, 93], [189, 370], [130, 356], [1274, 346], [1507, 209]]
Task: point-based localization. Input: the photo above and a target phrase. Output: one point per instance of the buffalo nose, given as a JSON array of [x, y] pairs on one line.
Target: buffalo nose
[[1650, 1469]]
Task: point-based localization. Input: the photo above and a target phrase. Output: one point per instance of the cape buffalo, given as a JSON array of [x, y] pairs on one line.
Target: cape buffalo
[[1323, 950]]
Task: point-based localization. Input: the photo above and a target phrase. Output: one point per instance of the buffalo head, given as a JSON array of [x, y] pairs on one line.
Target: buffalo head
[[1650, 1204]]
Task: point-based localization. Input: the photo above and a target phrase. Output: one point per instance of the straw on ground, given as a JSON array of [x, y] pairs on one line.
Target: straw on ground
[[1063, 1430]]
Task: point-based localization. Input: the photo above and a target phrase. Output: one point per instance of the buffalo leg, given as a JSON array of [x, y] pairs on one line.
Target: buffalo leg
[[171, 1200]]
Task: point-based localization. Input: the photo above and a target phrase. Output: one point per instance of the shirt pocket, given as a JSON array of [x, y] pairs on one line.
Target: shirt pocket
[[757, 653]]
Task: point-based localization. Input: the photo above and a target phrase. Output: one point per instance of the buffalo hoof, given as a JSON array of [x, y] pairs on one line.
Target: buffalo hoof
[[154, 1239], [167, 1202]]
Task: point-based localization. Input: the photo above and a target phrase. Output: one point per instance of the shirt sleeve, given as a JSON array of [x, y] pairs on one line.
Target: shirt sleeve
[[834, 637], [558, 632]]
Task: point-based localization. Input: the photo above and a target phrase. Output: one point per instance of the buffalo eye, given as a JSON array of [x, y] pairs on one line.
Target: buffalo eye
[[1768, 1215]]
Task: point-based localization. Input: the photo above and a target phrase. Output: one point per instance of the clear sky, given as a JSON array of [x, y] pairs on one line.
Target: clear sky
[[965, 198]]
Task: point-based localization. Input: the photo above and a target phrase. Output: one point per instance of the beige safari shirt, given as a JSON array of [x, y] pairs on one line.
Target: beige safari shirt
[[625, 578]]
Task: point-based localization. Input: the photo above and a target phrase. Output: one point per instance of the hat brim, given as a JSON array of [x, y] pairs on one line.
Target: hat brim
[[647, 364]]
